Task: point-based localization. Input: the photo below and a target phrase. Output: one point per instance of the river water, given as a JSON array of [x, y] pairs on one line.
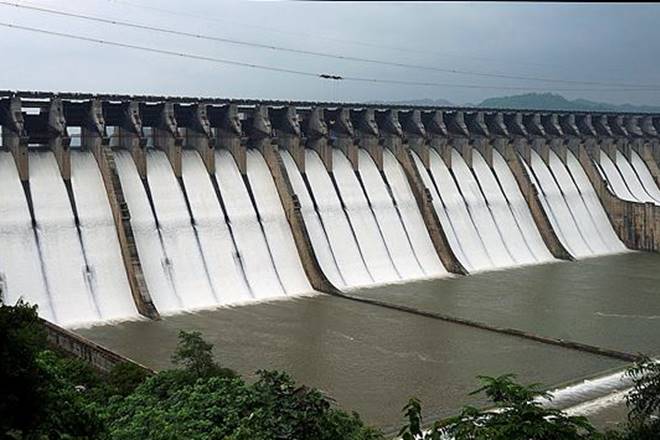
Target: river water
[[371, 360]]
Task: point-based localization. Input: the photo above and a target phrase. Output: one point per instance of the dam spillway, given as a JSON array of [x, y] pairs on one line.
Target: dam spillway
[[172, 205]]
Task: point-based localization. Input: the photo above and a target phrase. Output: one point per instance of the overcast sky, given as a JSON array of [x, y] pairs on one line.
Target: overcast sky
[[590, 42]]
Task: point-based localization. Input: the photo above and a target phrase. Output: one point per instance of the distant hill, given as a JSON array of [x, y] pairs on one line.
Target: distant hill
[[551, 101]]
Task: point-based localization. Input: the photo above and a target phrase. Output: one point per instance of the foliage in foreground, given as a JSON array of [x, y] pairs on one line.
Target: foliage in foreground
[[46, 395], [516, 413]]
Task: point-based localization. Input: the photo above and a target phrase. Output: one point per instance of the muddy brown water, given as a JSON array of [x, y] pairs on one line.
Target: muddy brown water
[[371, 360]]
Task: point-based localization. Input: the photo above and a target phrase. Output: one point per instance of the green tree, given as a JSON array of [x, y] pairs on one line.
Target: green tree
[[196, 356], [515, 415], [21, 379]]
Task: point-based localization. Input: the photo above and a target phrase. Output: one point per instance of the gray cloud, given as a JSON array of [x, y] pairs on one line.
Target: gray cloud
[[591, 42]]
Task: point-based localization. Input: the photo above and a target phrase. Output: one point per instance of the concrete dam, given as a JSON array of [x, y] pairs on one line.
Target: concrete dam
[[121, 207]]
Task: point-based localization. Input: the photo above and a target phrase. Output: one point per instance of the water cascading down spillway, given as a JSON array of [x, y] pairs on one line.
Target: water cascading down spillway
[[227, 231], [364, 225], [629, 179], [77, 250], [485, 217], [572, 206]]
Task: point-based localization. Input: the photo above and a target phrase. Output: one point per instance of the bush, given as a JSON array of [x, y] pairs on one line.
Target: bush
[[515, 415], [21, 377]]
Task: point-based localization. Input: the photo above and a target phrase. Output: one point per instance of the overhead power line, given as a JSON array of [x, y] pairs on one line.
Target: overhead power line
[[333, 77], [315, 35], [315, 53]]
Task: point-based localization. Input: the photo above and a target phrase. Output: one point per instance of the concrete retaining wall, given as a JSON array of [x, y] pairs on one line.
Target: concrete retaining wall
[[75, 345]]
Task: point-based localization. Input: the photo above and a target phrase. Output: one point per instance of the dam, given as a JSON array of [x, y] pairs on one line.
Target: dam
[[118, 208], [123, 217]]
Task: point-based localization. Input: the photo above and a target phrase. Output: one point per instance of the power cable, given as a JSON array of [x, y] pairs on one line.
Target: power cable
[[332, 77], [315, 53]]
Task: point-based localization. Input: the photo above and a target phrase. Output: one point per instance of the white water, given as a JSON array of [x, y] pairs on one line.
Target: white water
[[615, 179], [250, 239], [564, 221], [480, 213], [412, 219], [595, 208], [156, 266], [645, 176], [99, 236], [221, 257], [464, 226], [363, 221], [439, 207], [313, 223], [631, 179], [505, 221], [20, 268], [276, 225], [573, 196], [190, 275], [388, 220], [520, 209], [340, 237], [71, 294]]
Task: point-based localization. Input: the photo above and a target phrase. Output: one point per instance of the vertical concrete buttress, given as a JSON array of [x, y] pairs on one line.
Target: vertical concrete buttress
[[167, 136], [316, 133], [199, 134], [58, 138], [14, 136], [131, 136], [368, 135], [342, 135], [93, 138]]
